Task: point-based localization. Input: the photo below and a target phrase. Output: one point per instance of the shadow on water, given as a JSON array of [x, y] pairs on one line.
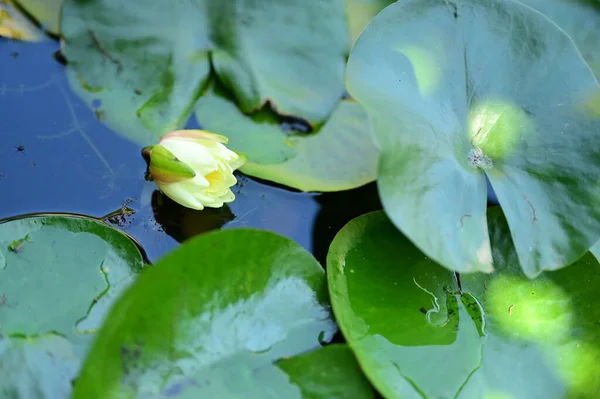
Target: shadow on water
[[56, 155]]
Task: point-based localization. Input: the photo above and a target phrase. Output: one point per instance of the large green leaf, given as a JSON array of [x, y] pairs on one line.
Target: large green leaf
[[145, 63], [58, 275], [418, 333], [37, 367], [580, 19], [148, 63], [209, 319], [457, 90], [360, 13], [328, 373], [288, 52], [338, 156]]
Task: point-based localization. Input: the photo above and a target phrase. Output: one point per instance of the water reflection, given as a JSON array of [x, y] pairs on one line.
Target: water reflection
[[71, 162]]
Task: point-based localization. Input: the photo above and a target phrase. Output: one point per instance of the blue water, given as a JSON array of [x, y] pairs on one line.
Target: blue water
[[73, 163]]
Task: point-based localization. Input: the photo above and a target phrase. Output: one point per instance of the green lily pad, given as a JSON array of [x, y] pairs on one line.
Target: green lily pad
[[338, 156], [580, 19], [61, 274], [46, 12], [326, 373], [329, 372], [148, 75], [58, 278], [37, 367], [209, 320], [419, 333], [131, 62], [360, 13], [596, 250], [492, 89]]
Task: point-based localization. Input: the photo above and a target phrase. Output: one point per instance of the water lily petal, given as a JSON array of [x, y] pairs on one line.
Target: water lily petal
[[194, 135], [194, 155], [178, 193]]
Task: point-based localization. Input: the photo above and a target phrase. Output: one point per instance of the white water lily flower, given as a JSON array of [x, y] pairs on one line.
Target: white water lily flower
[[194, 168]]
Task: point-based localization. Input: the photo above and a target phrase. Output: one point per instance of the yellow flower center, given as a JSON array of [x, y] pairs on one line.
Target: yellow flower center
[[213, 177]]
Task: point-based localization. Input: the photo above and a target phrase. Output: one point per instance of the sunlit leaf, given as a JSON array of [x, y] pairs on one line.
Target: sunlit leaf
[[338, 156], [46, 12], [461, 90], [59, 277], [209, 320], [37, 367], [580, 19], [327, 373], [419, 333], [361, 12], [15, 25], [148, 62]]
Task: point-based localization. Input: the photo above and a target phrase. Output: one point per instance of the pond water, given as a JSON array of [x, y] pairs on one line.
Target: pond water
[[57, 156]]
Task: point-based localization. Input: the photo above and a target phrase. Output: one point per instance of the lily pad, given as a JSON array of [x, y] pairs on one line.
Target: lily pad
[[328, 373], [144, 73], [580, 19], [46, 12], [59, 277], [338, 156], [148, 64], [492, 89], [419, 332], [209, 320], [360, 13], [37, 367], [15, 25]]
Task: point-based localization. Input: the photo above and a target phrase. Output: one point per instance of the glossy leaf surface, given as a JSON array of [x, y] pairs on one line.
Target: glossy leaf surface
[[59, 275], [580, 19], [340, 155], [418, 334], [148, 63], [209, 319], [360, 13], [37, 367], [328, 373], [492, 89]]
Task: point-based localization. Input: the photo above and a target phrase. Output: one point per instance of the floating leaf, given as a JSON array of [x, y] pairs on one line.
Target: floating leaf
[[47, 12], [145, 72], [37, 367], [339, 156], [209, 319], [417, 333], [492, 88], [15, 25], [60, 276], [290, 53], [580, 19], [148, 64], [360, 13], [329, 372]]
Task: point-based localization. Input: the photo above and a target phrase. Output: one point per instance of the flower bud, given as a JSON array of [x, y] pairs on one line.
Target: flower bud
[[194, 168]]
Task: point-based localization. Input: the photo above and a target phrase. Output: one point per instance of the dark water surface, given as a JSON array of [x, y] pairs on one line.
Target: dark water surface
[[57, 156]]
